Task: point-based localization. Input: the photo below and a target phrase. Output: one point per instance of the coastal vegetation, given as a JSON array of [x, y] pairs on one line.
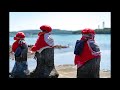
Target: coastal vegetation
[[58, 31], [98, 31]]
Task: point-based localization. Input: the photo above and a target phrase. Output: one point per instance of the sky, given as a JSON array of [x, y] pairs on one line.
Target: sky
[[58, 20]]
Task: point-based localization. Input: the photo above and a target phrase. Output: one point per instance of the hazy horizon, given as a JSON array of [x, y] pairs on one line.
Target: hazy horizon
[[53, 28]]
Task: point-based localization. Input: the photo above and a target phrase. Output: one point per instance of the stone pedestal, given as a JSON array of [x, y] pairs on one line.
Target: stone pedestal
[[45, 65]]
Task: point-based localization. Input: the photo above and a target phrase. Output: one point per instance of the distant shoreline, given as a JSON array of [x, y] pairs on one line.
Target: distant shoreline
[[58, 32]]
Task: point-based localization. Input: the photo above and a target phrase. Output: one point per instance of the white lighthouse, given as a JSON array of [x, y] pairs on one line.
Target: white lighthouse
[[103, 25], [98, 27]]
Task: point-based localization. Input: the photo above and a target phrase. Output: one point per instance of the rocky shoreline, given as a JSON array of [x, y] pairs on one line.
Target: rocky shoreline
[[32, 55], [69, 71]]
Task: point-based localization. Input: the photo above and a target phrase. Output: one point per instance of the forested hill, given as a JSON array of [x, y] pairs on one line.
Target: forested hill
[[58, 31], [35, 32], [98, 31]]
